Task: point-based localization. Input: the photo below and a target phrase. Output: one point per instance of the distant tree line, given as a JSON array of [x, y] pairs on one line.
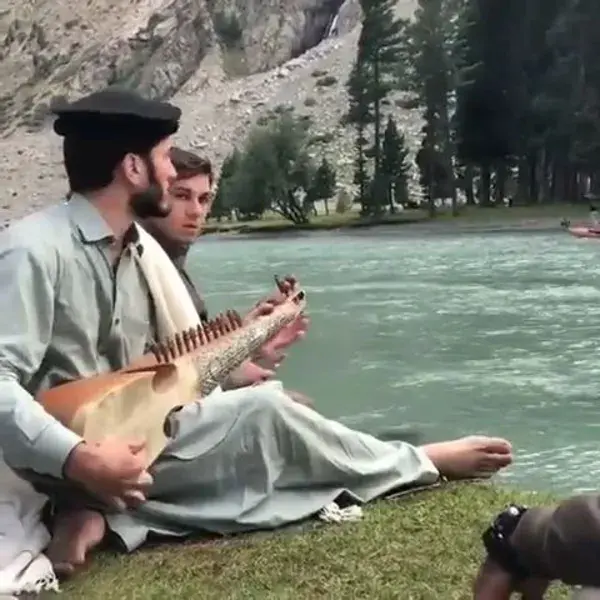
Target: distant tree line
[[274, 172], [528, 98], [509, 92]]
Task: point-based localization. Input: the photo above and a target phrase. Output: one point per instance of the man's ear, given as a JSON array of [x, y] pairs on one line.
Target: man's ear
[[133, 168]]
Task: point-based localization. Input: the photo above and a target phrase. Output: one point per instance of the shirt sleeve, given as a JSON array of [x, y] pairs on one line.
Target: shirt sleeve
[[29, 437], [562, 543]]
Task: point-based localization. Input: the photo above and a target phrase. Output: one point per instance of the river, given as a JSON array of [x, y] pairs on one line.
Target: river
[[449, 334]]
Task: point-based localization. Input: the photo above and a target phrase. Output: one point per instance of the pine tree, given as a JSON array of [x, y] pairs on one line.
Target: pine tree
[[568, 162], [379, 49], [324, 182], [360, 114], [489, 110], [221, 205], [430, 71], [394, 165]]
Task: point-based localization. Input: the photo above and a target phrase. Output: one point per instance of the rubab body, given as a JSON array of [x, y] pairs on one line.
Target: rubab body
[[139, 402]]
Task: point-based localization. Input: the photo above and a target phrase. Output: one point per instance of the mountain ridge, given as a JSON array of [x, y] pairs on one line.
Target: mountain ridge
[[220, 103]]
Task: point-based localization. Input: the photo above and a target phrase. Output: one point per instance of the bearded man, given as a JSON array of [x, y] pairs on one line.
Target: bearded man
[[75, 303]]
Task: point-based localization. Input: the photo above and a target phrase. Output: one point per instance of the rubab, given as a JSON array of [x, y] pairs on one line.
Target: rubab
[[140, 401]]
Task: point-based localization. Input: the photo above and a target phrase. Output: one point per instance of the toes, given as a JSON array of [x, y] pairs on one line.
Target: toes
[[492, 445], [63, 569], [495, 462], [500, 460]]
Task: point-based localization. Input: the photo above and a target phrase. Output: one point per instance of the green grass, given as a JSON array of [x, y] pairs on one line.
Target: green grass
[[272, 223], [424, 547], [519, 213]]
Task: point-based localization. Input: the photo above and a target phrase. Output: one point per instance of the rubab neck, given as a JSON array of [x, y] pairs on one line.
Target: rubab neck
[[218, 347]]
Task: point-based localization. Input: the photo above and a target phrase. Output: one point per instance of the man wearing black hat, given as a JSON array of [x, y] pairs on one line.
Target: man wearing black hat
[[74, 302]]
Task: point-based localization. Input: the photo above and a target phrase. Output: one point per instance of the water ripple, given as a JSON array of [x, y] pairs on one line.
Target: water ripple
[[495, 334]]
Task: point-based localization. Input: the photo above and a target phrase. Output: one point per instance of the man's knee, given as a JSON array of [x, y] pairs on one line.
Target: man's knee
[[268, 400], [300, 398]]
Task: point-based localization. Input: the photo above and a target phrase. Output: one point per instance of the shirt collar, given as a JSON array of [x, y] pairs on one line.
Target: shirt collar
[[91, 226]]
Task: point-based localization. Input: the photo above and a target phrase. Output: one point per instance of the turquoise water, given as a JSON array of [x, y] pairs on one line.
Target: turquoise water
[[449, 334]]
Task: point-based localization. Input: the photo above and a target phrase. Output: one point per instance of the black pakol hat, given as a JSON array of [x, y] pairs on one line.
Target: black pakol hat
[[117, 114]]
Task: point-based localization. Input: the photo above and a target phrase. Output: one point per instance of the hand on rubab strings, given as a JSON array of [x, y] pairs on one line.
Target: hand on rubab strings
[[285, 287]]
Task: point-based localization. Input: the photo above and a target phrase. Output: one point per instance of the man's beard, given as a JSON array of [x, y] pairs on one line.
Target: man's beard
[[150, 202]]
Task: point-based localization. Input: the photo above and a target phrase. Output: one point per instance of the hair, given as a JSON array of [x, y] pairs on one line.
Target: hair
[[90, 164], [93, 147], [187, 164]]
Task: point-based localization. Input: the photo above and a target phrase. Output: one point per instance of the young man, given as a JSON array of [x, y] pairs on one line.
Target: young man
[[74, 304], [191, 199]]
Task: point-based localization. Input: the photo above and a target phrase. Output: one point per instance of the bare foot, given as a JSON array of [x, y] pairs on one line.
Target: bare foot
[[75, 533], [472, 456]]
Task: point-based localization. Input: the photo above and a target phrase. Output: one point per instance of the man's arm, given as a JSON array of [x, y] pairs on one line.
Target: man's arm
[[30, 438], [561, 543]]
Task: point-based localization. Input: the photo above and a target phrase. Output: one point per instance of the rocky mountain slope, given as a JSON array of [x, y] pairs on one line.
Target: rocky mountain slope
[[227, 63]]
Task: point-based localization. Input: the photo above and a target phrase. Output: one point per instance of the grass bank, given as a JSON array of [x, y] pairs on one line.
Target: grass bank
[[522, 216], [274, 224], [424, 547]]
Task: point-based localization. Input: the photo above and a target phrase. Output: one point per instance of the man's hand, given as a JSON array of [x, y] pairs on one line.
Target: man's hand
[[494, 583], [272, 353], [112, 470], [285, 287]]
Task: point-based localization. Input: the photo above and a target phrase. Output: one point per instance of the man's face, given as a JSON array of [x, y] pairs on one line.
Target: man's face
[[190, 201], [153, 200]]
